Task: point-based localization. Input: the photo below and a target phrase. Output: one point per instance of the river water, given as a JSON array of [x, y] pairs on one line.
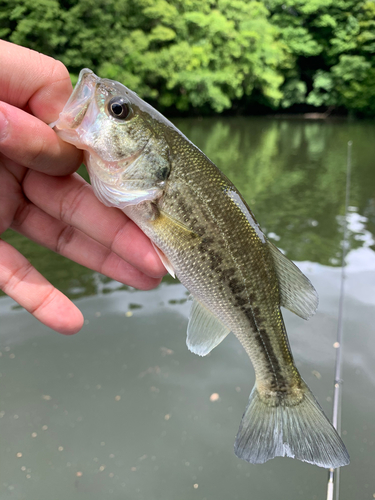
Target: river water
[[123, 410]]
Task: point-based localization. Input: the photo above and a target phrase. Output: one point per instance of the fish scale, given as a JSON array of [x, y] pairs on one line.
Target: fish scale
[[207, 236], [231, 245]]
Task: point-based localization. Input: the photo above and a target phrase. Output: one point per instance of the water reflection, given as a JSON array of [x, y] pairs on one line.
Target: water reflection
[[291, 173]]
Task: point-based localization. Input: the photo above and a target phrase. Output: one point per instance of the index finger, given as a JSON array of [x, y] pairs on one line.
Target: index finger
[[28, 78]]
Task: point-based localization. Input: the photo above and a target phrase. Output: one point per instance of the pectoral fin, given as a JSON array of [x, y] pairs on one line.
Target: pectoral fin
[[179, 229], [205, 331], [296, 292]]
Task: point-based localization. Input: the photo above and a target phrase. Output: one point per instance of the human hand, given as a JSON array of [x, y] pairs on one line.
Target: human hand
[[41, 197]]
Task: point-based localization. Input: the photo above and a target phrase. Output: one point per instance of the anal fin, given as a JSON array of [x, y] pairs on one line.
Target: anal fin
[[205, 331]]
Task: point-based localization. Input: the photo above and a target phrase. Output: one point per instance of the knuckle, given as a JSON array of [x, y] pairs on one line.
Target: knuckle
[[37, 154], [59, 71], [107, 262], [64, 239], [70, 204], [14, 277], [115, 243], [21, 215], [43, 302], [53, 69]]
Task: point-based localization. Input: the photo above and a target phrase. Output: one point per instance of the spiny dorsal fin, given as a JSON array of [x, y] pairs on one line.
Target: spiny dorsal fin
[[296, 292], [205, 331]]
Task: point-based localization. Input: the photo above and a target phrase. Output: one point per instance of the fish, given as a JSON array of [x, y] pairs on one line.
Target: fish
[[206, 235]]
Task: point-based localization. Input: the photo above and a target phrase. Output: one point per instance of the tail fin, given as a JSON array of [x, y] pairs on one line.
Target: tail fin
[[301, 431]]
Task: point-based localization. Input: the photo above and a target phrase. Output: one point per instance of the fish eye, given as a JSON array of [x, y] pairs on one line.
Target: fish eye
[[118, 108]]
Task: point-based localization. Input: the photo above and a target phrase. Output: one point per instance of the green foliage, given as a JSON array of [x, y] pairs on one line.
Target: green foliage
[[208, 54], [185, 54], [332, 43], [350, 83], [29, 23]]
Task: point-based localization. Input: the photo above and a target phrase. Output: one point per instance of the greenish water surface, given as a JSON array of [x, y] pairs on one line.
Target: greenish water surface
[[123, 410]]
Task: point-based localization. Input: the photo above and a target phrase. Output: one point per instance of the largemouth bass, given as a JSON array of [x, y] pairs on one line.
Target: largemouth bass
[[207, 236]]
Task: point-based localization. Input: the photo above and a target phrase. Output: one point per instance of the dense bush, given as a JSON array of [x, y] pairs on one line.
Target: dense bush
[[208, 54], [332, 43]]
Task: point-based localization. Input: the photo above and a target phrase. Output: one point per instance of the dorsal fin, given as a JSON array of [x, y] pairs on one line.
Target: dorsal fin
[[205, 331], [296, 292]]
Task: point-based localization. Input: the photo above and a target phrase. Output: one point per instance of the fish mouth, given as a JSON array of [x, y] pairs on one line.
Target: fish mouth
[[76, 107]]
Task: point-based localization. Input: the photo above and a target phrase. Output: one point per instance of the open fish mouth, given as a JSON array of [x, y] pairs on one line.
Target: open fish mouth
[[79, 125], [76, 107]]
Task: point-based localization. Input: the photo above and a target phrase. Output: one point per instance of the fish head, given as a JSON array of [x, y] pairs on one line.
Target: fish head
[[123, 138]]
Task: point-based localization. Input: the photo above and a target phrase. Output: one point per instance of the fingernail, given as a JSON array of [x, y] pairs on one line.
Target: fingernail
[[3, 126]]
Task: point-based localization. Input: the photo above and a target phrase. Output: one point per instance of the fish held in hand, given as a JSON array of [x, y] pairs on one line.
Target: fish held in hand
[[207, 236]]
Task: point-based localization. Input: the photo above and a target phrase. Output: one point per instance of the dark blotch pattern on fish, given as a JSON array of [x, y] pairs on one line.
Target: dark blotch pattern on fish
[[162, 174], [246, 302]]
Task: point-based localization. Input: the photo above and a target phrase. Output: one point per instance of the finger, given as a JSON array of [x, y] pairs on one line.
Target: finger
[[22, 282], [30, 142], [37, 225], [11, 195], [71, 200], [30, 78]]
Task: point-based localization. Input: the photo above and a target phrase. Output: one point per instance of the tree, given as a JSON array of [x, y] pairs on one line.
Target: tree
[[207, 54], [333, 46], [187, 54]]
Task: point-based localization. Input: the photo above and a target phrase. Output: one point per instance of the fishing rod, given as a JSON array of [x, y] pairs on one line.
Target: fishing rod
[[334, 474]]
